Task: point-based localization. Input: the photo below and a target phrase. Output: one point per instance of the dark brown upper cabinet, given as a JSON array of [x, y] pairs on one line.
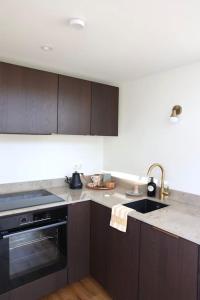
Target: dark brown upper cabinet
[[104, 117], [38, 102], [74, 106], [28, 100]]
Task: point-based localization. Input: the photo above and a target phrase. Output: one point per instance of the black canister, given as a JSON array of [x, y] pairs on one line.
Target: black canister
[[151, 188]]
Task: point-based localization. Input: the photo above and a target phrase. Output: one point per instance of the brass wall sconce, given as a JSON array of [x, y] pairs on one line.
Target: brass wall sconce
[[176, 111]]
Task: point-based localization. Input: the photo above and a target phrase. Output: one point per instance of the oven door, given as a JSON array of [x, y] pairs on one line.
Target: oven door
[[31, 254]]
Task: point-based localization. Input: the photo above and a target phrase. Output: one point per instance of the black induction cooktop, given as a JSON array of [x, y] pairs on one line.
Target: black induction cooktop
[[27, 199]]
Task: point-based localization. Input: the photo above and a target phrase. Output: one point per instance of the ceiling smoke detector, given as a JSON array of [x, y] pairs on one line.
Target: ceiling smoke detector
[[76, 23], [46, 48]]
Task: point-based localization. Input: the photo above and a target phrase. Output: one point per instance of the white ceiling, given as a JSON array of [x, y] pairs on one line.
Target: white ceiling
[[123, 39]]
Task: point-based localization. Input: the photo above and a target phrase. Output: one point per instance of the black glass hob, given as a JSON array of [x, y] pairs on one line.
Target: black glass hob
[[27, 199]]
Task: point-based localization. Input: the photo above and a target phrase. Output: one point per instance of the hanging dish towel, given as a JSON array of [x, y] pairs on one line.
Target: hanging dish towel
[[119, 217]]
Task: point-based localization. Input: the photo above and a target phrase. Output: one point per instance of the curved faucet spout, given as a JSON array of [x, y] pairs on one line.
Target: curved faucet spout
[[163, 192]]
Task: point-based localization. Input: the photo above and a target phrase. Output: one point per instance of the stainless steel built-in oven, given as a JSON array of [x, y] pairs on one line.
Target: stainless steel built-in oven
[[32, 246]]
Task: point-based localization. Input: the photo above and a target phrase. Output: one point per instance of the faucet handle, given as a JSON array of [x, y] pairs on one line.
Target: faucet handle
[[166, 191]]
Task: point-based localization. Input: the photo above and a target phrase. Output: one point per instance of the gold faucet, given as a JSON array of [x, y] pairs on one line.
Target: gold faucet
[[163, 192]]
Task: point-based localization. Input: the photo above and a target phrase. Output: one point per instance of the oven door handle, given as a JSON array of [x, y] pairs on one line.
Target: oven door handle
[[34, 229]]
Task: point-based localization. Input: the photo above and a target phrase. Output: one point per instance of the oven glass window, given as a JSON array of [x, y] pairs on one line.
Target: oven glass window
[[32, 251]]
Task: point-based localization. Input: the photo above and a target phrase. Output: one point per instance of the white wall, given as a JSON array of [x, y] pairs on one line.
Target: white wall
[[147, 136], [24, 157]]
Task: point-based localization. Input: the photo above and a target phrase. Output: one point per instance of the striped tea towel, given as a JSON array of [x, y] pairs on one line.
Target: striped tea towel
[[119, 217]]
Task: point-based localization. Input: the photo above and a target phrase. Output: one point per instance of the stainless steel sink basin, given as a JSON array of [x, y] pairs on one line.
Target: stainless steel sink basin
[[145, 205]]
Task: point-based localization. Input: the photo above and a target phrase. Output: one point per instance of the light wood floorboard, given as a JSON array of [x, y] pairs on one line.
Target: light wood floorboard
[[86, 289]]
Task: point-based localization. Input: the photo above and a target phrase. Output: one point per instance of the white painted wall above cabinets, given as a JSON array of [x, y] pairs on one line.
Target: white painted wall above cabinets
[[26, 157], [147, 136]]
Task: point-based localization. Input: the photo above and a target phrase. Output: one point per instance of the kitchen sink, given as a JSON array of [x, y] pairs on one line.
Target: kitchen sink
[[145, 205]]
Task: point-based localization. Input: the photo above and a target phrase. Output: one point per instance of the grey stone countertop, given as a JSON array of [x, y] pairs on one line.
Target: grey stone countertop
[[181, 217]]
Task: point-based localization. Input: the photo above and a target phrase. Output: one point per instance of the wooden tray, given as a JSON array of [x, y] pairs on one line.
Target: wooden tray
[[99, 188]]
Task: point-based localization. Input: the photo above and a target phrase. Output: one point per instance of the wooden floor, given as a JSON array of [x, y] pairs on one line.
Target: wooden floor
[[86, 289]]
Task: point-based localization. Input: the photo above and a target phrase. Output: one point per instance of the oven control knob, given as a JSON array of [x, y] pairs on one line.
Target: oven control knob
[[47, 216], [23, 220]]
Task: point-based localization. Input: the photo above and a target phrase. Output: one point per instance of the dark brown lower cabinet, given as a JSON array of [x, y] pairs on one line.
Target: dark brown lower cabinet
[[100, 218], [114, 254], [123, 262], [168, 266], [145, 263], [78, 241]]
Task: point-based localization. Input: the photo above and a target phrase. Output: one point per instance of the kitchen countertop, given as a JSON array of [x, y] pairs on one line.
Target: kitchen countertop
[[179, 218]]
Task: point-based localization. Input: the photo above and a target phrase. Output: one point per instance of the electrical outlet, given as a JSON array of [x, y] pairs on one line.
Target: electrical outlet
[[78, 166]]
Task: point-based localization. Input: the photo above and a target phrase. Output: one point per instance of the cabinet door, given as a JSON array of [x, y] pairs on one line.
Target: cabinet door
[[78, 241], [168, 269], [28, 100], [74, 106], [188, 270], [100, 219], [123, 262], [104, 118]]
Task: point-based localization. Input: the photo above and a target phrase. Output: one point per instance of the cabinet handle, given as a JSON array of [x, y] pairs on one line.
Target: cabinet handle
[[166, 232]]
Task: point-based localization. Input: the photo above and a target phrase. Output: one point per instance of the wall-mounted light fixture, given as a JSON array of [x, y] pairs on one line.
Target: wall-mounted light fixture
[[76, 23], [176, 111]]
